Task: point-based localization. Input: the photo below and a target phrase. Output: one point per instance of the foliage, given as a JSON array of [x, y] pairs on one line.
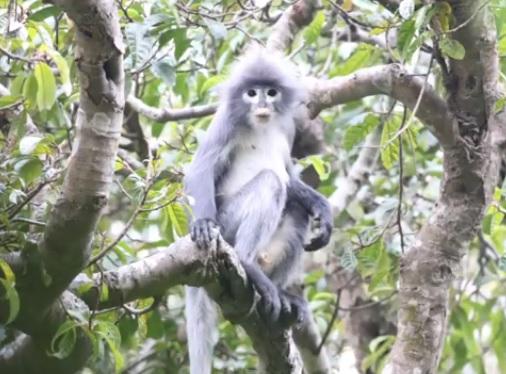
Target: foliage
[[177, 52]]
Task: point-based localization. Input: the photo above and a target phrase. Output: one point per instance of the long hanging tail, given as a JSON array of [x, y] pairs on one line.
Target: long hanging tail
[[201, 329]]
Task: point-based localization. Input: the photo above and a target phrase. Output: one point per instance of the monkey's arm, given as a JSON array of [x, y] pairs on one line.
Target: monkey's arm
[[317, 207], [200, 185]]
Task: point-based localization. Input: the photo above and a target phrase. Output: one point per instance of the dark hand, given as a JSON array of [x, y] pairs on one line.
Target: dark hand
[[321, 226], [203, 231]]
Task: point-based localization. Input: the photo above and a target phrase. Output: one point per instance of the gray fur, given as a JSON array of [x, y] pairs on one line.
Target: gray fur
[[242, 179]]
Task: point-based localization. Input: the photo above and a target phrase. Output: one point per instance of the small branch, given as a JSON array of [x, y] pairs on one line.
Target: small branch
[[401, 182], [164, 115]]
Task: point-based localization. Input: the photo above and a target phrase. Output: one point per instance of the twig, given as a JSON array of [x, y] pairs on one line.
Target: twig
[[463, 24], [401, 186]]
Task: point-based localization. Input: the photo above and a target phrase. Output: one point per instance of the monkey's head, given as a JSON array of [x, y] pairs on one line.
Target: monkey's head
[[262, 87]]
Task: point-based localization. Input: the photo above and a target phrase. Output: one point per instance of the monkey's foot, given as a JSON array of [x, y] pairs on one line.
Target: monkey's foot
[[269, 305], [293, 310]]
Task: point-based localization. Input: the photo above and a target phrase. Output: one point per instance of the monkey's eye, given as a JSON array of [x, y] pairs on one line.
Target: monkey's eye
[[272, 92], [251, 93]]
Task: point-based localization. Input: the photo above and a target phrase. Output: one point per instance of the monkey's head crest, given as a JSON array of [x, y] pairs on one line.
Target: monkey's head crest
[[259, 66]]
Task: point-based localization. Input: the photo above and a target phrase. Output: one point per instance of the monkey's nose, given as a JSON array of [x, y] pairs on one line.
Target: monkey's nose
[[262, 113]]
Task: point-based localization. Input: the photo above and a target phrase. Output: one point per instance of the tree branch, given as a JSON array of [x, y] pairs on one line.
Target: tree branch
[[389, 80], [218, 270], [359, 172], [293, 19], [164, 115]]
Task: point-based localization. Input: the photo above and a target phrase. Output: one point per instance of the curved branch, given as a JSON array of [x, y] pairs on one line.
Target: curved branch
[[390, 80]]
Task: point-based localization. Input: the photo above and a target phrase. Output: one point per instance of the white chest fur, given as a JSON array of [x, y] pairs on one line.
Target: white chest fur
[[267, 148]]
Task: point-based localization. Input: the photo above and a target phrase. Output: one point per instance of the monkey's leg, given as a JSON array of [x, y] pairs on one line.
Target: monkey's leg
[[281, 259], [249, 219], [201, 329]]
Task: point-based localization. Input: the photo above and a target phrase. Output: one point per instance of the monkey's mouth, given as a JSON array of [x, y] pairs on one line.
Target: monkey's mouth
[[262, 114]]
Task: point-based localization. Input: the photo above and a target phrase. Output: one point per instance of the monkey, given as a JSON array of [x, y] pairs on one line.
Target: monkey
[[244, 187]]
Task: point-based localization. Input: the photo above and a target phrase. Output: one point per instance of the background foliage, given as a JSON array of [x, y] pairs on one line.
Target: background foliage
[[177, 52]]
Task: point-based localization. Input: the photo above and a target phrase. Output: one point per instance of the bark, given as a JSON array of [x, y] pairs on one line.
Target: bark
[[470, 175]]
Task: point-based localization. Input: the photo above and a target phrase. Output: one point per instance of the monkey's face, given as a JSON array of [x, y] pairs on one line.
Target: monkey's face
[[262, 102]]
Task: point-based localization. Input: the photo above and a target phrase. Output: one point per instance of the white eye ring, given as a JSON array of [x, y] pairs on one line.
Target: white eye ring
[[250, 95]]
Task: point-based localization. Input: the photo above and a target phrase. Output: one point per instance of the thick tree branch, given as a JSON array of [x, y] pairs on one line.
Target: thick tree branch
[[217, 270], [389, 80]]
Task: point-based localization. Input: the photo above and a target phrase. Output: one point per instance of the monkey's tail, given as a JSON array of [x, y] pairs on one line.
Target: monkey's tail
[[201, 329]]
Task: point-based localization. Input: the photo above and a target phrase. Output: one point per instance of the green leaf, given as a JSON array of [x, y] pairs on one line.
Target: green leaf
[[321, 167], [178, 218], [46, 86], [8, 282], [452, 48], [64, 70], [30, 91], [405, 37], [12, 297], [499, 104], [8, 274], [110, 333], [164, 71], [29, 169], [359, 58], [210, 83], [9, 100], [64, 340], [355, 134], [42, 14], [348, 259], [313, 30], [180, 39], [140, 45], [389, 145]]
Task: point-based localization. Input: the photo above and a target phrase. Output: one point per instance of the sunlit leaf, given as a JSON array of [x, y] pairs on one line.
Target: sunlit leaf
[[452, 48], [46, 86]]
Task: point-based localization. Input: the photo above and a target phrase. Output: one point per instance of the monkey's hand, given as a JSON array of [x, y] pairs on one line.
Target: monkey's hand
[[320, 226], [203, 231]]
